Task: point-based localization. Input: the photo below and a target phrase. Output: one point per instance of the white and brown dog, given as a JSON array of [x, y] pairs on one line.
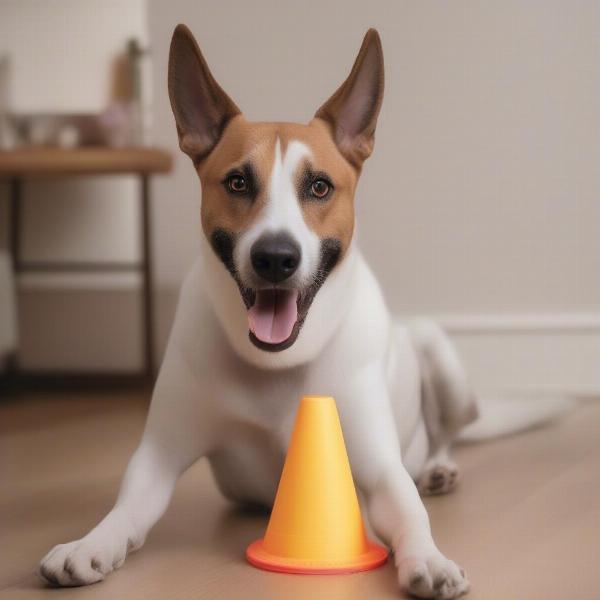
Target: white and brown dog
[[283, 304]]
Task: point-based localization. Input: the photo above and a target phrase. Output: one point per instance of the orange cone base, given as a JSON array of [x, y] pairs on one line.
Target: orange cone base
[[375, 556]]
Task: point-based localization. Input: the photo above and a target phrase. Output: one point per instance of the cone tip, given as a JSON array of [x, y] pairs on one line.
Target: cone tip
[[317, 399]]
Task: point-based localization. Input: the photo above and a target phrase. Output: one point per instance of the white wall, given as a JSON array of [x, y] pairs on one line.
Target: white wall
[[62, 52], [480, 203], [61, 56]]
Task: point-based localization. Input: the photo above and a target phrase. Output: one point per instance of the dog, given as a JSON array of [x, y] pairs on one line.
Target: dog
[[282, 304]]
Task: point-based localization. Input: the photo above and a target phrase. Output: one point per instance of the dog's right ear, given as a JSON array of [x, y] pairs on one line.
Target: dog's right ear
[[201, 108], [352, 111]]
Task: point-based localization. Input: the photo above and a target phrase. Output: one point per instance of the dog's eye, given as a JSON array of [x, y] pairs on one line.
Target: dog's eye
[[320, 188], [237, 184]]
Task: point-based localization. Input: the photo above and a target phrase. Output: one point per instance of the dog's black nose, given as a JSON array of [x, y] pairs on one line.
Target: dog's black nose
[[275, 257]]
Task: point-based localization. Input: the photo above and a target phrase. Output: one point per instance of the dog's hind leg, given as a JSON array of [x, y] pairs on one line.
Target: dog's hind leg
[[440, 474], [448, 404]]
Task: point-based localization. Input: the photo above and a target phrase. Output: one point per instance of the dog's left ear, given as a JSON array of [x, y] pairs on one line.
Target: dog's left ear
[[353, 109], [202, 109]]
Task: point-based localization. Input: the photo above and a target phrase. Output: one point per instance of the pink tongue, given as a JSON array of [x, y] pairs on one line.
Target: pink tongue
[[273, 315]]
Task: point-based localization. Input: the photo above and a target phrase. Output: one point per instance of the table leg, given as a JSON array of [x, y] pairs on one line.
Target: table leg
[[15, 196], [147, 299], [15, 222]]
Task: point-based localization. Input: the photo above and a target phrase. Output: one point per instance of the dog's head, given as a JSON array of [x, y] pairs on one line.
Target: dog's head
[[277, 198]]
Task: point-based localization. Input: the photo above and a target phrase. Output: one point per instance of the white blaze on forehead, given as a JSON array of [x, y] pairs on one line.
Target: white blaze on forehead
[[282, 185], [282, 212]]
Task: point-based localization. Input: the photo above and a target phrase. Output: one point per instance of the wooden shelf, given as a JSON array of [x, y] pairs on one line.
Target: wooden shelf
[[37, 162]]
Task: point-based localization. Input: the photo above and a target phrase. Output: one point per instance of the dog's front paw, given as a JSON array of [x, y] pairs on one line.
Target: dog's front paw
[[432, 576], [72, 564], [91, 558]]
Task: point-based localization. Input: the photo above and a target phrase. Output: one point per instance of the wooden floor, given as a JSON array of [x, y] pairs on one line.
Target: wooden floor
[[525, 521]]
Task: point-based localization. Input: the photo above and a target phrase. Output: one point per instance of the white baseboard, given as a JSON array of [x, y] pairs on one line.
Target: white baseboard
[[485, 324], [530, 353]]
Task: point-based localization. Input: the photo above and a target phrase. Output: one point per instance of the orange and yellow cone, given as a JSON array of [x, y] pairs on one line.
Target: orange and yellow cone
[[316, 526]]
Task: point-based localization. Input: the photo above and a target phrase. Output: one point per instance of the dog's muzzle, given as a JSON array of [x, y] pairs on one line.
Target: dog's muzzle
[[276, 310]]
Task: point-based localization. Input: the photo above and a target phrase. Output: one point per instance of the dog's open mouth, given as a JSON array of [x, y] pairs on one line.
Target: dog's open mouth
[[273, 315], [276, 314]]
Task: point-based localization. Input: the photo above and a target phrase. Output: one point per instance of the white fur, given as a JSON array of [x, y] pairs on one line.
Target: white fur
[[500, 417], [219, 396]]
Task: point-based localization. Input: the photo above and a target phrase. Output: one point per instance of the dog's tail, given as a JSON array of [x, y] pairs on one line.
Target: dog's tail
[[503, 417]]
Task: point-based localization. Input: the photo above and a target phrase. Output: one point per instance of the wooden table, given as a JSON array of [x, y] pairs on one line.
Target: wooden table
[[19, 165]]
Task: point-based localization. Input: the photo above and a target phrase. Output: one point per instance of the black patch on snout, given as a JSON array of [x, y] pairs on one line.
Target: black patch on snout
[[223, 243], [331, 250]]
